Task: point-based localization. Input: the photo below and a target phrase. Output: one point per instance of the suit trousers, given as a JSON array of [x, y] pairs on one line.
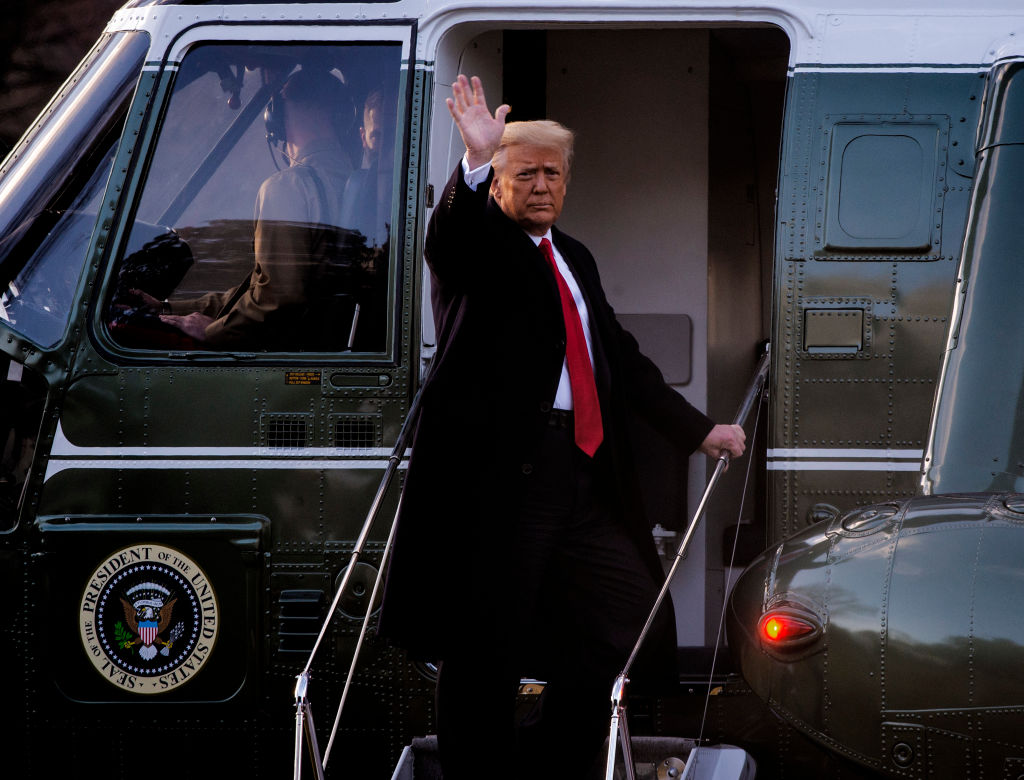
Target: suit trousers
[[581, 596]]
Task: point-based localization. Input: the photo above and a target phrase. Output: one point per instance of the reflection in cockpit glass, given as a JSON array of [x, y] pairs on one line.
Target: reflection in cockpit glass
[[52, 185], [265, 222]]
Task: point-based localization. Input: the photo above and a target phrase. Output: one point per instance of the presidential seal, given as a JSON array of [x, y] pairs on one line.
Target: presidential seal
[[148, 618]]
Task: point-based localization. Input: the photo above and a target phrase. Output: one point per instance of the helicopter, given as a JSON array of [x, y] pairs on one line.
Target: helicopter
[[178, 511]]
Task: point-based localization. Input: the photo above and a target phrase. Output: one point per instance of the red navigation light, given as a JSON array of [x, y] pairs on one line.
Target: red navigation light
[[780, 627], [774, 628]]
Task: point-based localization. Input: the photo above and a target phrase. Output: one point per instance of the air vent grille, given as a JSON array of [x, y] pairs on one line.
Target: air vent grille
[[300, 613], [357, 431], [287, 433]]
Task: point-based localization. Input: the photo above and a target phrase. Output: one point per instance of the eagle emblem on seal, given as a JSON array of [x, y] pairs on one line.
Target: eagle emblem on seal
[[148, 608]]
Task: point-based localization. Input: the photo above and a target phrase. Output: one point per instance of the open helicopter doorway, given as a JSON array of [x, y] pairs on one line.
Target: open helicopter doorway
[[673, 190]]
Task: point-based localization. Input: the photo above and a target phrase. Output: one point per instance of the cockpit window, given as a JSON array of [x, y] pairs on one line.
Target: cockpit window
[[51, 184], [266, 218]]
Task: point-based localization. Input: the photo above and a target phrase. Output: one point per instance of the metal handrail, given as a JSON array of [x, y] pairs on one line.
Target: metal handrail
[[303, 711], [619, 729]]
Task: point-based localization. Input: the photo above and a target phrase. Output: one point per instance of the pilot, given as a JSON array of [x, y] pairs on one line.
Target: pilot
[[286, 301]]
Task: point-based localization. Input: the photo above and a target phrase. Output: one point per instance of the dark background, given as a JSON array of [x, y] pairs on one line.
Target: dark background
[[41, 42]]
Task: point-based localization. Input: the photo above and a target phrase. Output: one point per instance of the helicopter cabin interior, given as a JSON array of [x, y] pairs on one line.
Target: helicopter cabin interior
[[672, 188]]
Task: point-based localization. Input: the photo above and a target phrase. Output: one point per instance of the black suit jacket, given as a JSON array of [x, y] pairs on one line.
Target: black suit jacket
[[501, 343]]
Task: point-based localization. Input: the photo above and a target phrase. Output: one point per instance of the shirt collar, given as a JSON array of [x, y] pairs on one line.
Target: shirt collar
[[537, 239], [316, 147]]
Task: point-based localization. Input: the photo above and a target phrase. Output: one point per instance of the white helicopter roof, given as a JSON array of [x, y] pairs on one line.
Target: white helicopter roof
[[913, 34]]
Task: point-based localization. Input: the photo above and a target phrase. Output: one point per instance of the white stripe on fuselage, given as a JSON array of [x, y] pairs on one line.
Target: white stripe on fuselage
[[64, 455], [844, 459]]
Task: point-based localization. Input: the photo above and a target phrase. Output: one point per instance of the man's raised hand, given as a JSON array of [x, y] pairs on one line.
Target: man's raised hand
[[480, 131]]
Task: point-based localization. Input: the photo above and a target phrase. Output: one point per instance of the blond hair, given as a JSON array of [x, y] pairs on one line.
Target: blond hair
[[539, 132]]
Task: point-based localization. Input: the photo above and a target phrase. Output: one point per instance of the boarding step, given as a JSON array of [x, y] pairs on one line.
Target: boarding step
[[655, 758]]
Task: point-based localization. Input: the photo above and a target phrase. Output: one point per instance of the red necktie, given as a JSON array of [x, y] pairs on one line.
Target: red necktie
[[586, 408]]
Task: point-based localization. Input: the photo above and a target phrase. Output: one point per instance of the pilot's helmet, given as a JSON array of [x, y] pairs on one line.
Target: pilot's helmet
[[314, 87]]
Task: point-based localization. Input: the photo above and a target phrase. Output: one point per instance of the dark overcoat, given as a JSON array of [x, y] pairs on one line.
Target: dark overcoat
[[500, 347]]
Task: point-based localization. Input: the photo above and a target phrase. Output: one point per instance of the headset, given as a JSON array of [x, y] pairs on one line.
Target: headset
[[329, 89], [273, 119]]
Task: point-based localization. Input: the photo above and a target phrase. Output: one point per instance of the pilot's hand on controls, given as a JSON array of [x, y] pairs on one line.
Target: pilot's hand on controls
[[724, 439], [147, 301], [193, 324]]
